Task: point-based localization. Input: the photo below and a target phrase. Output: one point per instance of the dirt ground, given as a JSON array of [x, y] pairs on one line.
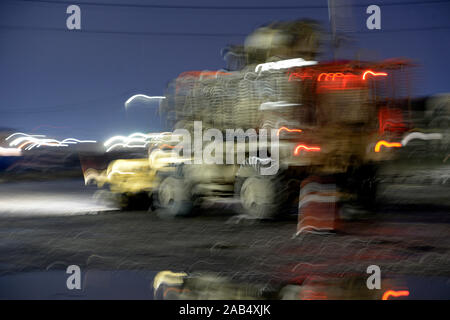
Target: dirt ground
[[409, 243]]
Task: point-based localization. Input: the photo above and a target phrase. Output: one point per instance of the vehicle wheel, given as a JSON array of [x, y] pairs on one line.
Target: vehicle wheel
[[363, 183], [262, 197], [140, 201], [173, 197], [123, 201]]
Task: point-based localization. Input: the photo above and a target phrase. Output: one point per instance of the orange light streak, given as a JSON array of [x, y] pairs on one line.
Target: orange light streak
[[166, 146], [304, 147], [389, 293], [288, 130], [376, 74], [386, 144]]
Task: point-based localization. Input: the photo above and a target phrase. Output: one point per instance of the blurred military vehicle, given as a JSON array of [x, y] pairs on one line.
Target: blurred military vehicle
[[336, 119]]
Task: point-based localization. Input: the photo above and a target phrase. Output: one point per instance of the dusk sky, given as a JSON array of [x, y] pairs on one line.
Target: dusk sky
[[67, 83]]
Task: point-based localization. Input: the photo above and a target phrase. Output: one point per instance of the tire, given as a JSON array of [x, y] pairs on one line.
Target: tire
[[128, 202], [363, 183], [173, 198], [262, 197]]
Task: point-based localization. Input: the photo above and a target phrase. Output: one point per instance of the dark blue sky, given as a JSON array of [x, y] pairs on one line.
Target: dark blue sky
[[69, 83]]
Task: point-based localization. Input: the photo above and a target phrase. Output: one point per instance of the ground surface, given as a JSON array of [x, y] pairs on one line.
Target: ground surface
[[47, 226]]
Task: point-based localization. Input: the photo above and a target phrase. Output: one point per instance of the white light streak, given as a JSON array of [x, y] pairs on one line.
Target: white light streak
[[284, 64], [142, 97], [28, 142], [134, 140], [421, 136]]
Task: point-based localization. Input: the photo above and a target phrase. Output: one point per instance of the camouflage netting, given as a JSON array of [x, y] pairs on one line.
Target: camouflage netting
[[245, 99], [233, 99]]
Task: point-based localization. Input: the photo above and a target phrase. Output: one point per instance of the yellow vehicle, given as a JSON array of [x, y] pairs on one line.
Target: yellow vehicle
[[134, 180]]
